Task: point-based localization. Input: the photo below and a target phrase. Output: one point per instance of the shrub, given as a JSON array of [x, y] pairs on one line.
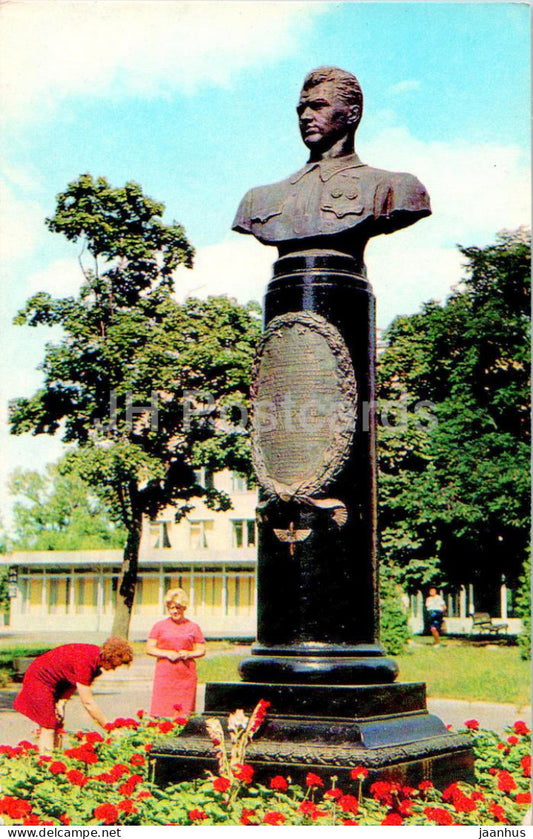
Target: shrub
[[394, 632], [524, 609]]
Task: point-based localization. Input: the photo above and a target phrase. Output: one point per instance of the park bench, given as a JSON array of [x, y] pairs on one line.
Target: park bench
[[482, 624]]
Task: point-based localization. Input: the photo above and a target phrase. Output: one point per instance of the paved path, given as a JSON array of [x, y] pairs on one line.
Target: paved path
[[123, 692]]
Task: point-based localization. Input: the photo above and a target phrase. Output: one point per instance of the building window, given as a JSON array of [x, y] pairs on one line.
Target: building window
[[159, 534], [200, 534], [204, 477], [243, 533], [239, 483]]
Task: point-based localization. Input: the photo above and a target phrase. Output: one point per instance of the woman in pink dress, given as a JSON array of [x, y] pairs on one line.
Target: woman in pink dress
[[176, 642]]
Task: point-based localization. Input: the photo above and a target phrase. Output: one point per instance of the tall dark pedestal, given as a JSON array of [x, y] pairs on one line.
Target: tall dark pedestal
[[318, 598], [317, 658]]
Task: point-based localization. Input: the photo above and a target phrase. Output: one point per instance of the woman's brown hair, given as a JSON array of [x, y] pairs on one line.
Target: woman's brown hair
[[116, 651]]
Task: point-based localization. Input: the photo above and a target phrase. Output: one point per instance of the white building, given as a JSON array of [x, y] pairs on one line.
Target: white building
[[211, 555]]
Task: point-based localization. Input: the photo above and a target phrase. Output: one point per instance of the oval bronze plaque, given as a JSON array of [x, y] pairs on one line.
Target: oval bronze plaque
[[304, 405]]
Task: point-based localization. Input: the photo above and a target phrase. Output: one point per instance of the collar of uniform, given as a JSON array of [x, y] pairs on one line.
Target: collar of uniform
[[328, 167]]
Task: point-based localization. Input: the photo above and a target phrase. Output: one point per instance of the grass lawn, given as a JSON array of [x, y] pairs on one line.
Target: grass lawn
[[454, 671]]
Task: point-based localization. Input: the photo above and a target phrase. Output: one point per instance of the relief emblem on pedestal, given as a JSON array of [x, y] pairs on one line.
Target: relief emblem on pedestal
[[304, 399]]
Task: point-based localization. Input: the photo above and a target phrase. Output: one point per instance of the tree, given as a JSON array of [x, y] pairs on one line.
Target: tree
[[455, 494], [123, 384], [56, 511]]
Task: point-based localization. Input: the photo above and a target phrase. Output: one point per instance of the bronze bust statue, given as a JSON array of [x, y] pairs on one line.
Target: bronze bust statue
[[335, 202]]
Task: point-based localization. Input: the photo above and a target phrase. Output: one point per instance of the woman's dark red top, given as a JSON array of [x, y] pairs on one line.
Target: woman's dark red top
[[54, 675]]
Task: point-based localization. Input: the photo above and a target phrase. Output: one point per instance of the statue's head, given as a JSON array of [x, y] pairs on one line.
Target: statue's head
[[330, 106]]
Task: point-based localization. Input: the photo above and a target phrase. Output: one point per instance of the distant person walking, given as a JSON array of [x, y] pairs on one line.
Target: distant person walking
[[55, 676], [176, 642], [436, 608]]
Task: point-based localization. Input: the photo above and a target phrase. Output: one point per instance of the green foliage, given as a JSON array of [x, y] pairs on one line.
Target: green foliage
[[454, 484], [57, 511], [523, 603], [117, 383], [394, 627], [109, 782]]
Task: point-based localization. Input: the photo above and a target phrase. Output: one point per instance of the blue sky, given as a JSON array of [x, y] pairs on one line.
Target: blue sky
[[195, 101]]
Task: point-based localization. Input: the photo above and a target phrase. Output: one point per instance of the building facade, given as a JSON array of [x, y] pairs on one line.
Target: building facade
[[212, 555]]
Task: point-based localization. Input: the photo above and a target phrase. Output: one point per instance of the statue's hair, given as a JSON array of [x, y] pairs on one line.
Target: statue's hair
[[346, 84]]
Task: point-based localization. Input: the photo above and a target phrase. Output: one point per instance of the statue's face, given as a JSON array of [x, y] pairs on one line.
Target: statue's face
[[322, 116]]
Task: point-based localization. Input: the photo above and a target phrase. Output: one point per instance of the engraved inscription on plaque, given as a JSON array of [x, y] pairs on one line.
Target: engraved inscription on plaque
[[304, 405]]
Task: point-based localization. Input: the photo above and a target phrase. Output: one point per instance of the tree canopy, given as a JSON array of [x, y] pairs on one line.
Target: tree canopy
[[56, 511], [123, 385], [454, 485]]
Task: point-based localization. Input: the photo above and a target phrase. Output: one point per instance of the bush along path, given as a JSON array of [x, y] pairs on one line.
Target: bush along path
[[106, 780]]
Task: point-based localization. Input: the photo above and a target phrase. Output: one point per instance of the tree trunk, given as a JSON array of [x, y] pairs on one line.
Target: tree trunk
[[127, 581]]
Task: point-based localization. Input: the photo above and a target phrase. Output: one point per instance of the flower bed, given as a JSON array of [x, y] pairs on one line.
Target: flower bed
[[106, 780]]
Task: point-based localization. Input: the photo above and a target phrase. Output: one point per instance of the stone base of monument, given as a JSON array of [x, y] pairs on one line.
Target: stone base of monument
[[327, 730]]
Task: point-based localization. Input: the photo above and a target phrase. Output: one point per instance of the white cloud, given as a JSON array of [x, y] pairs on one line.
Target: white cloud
[[61, 278], [239, 267], [144, 47], [21, 223], [405, 86], [476, 189]]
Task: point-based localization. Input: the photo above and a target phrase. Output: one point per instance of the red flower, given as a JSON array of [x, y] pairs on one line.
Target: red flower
[[334, 793], [247, 816], [197, 815], [34, 819], [258, 715], [279, 782], [57, 767], [243, 772], [77, 778], [392, 818], [313, 780], [85, 753], [93, 737], [349, 804], [144, 794], [107, 813], [148, 747], [273, 817], [498, 812], [180, 720], [493, 770], [439, 815], [349, 821], [521, 728], [10, 752], [512, 740], [128, 787], [506, 782], [307, 807], [425, 785], [221, 784], [381, 791], [473, 725], [525, 763], [165, 727], [523, 798], [118, 770], [64, 819], [25, 744], [358, 773], [404, 807], [137, 759], [177, 706], [140, 714], [15, 808], [127, 806]]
